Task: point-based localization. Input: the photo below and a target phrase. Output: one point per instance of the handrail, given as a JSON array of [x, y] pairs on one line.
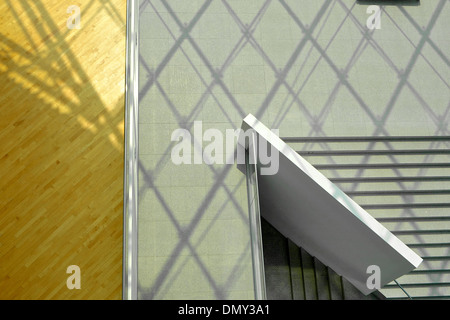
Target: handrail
[[367, 139], [372, 152], [130, 203], [398, 284], [255, 219]]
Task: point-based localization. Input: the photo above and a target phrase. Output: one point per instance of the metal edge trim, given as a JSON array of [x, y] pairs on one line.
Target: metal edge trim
[[130, 203], [251, 172]]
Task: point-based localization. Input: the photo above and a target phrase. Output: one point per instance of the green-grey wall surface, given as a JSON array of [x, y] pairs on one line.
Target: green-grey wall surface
[[308, 68]]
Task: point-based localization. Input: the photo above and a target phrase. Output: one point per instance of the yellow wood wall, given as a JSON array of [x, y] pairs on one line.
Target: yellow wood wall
[[61, 148]]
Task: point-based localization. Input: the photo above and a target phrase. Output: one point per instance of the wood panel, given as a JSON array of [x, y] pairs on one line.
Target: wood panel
[[61, 148]]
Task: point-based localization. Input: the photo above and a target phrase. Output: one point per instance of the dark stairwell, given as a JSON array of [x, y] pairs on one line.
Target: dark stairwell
[[293, 274], [404, 183]]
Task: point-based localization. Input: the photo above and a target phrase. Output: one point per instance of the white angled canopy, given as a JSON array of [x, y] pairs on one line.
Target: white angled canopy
[[307, 208]]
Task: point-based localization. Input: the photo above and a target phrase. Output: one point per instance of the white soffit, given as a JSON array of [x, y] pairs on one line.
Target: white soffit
[[309, 209]]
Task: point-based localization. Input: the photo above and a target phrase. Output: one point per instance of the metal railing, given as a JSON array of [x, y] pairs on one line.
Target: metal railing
[[130, 192], [403, 181], [255, 219]]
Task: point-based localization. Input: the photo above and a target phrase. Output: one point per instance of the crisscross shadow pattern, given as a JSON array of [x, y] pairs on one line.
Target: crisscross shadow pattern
[[307, 68]]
